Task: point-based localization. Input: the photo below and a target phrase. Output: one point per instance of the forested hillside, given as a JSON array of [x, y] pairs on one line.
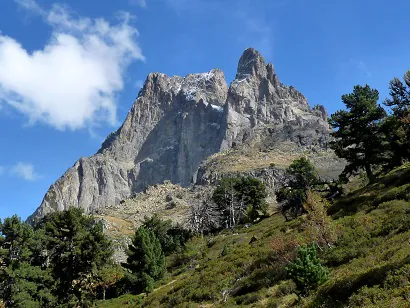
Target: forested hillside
[[324, 243]]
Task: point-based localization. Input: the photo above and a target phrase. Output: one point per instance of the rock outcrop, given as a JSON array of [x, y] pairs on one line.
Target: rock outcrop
[[257, 99], [176, 123]]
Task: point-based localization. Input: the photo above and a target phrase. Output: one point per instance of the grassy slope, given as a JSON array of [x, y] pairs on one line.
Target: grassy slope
[[369, 266]]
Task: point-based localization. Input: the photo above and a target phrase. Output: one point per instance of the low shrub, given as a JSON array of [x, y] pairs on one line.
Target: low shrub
[[307, 270]]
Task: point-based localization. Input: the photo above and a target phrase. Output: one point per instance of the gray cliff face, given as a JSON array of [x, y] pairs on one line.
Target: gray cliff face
[[176, 123], [172, 126], [257, 99]]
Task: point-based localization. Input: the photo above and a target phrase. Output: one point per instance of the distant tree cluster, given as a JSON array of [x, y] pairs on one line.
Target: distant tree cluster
[[235, 200], [240, 199]]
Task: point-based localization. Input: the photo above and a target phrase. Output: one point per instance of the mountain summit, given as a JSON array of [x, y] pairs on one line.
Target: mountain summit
[[177, 122]]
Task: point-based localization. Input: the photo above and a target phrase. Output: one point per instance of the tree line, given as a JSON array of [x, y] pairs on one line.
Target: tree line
[[66, 260]]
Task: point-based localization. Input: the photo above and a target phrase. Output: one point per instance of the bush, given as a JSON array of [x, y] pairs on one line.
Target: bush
[[367, 296], [307, 271]]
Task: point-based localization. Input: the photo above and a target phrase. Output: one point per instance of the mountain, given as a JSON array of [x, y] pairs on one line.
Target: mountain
[[176, 125]]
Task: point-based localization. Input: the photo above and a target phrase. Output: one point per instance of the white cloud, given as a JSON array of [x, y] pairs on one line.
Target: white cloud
[[141, 3], [25, 171], [30, 5], [72, 81]]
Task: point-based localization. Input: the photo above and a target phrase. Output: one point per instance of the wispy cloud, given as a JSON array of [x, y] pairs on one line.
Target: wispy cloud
[[72, 81], [25, 171], [31, 5], [141, 3]]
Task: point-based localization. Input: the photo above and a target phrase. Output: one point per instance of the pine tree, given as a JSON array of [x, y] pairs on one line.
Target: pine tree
[[172, 238], [77, 248], [252, 194], [146, 259], [24, 279], [301, 176], [307, 271], [397, 125], [358, 135], [30, 286]]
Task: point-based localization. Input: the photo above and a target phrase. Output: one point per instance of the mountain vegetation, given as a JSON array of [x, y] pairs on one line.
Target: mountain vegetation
[[341, 243]]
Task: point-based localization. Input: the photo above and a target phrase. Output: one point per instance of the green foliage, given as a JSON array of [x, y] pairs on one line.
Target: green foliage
[[397, 126], [307, 271], [398, 138], [108, 276], [399, 99], [172, 238], [54, 263], [318, 226], [240, 199], [225, 251], [252, 192], [23, 282], [16, 240], [146, 259], [77, 249], [29, 286], [368, 262], [358, 135], [291, 201], [302, 176]]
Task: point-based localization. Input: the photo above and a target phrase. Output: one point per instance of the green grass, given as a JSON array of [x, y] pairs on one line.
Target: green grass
[[369, 264]]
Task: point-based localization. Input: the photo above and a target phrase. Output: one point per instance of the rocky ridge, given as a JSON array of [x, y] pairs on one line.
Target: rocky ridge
[[177, 125]]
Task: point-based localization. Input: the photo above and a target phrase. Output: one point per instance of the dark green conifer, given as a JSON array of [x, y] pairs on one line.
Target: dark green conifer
[[146, 259]]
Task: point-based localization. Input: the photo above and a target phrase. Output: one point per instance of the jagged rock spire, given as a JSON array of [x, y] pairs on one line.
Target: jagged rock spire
[[251, 63]]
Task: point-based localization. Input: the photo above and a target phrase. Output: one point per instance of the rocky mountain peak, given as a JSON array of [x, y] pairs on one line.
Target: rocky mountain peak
[[177, 122], [250, 64]]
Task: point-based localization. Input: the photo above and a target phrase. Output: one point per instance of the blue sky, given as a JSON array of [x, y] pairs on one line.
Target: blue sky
[[70, 70]]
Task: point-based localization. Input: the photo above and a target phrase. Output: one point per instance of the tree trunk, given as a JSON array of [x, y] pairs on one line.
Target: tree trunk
[[369, 173], [104, 294]]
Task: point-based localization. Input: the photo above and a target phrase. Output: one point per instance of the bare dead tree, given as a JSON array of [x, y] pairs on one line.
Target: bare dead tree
[[204, 216]]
